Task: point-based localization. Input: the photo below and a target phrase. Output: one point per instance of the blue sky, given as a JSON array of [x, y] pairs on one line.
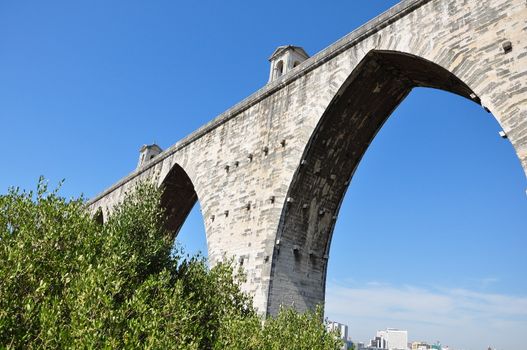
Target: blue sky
[[431, 234]]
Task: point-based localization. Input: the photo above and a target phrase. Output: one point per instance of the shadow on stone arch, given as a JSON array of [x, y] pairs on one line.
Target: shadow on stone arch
[[178, 198], [358, 111], [98, 217]]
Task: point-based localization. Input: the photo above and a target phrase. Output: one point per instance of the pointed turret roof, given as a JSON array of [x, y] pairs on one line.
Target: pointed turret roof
[[283, 48]]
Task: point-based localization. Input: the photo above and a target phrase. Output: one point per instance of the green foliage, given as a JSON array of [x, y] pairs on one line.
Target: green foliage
[[67, 281], [288, 330]]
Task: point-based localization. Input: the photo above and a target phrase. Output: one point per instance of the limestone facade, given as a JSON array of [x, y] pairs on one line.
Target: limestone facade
[[270, 173]]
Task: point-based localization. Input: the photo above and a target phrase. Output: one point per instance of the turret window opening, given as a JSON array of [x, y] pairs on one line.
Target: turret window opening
[[279, 68]]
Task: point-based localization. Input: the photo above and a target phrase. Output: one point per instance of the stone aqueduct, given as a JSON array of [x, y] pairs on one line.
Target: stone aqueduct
[[270, 172]]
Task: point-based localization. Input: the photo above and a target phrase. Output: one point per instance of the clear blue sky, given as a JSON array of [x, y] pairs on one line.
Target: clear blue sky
[[431, 235]]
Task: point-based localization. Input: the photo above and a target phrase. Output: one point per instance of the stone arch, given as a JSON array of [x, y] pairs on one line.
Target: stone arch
[[178, 197], [279, 68], [98, 216], [367, 98]]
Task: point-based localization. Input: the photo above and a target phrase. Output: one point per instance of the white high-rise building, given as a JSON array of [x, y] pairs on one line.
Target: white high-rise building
[[393, 339]]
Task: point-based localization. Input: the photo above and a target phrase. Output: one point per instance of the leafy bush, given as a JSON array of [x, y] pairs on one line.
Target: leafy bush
[[67, 281]]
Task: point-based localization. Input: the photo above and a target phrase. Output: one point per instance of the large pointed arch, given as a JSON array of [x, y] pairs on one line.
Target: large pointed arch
[[362, 105]]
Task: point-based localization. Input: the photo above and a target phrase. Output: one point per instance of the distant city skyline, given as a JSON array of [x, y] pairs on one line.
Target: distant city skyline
[[368, 344], [431, 234]]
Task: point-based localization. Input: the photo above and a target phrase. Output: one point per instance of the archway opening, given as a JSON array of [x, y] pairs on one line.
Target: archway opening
[[363, 104], [191, 238], [98, 216], [429, 235], [279, 69], [180, 201]]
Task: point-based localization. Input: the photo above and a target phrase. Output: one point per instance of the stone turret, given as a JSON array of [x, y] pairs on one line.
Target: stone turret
[[284, 59], [147, 152]]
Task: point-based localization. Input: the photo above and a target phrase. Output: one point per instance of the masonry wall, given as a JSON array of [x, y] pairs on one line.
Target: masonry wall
[[264, 138]]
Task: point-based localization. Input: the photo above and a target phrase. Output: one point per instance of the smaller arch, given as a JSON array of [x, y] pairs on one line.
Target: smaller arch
[[98, 217], [178, 198], [296, 63]]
